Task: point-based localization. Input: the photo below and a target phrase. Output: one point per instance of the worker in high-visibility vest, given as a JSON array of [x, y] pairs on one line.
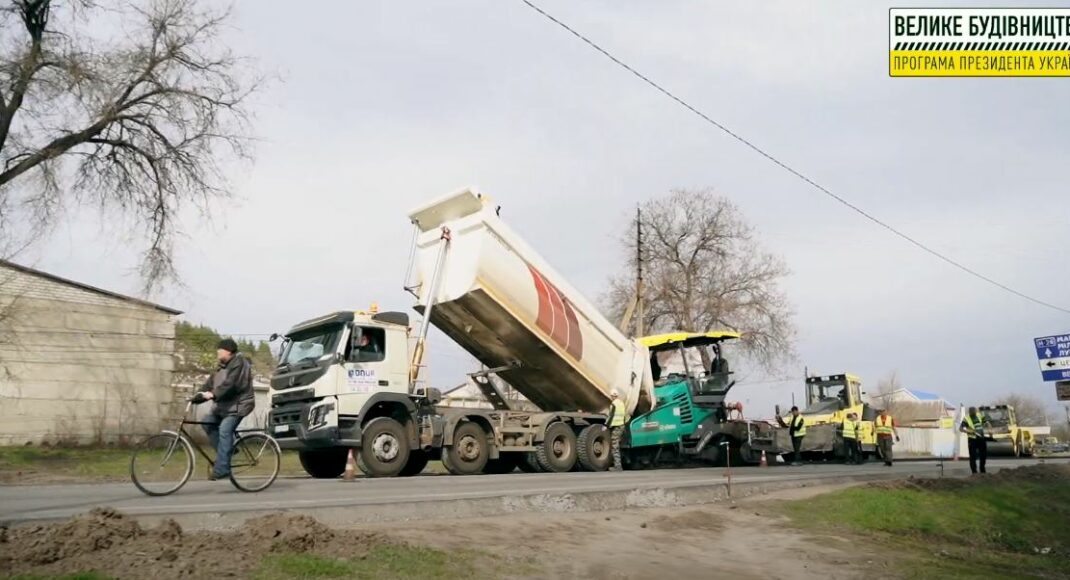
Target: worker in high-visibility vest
[[973, 425], [618, 416], [796, 425], [885, 427], [849, 431]]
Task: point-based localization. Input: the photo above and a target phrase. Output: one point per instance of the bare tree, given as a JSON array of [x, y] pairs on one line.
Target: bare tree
[[1029, 409], [886, 387], [704, 270], [889, 384], [129, 106]]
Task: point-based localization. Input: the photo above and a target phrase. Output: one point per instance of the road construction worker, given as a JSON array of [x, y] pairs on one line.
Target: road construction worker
[[860, 454], [618, 416], [796, 425], [973, 426], [886, 431], [849, 430]]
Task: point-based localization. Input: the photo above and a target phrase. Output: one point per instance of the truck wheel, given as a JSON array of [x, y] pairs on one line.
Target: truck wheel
[[529, 463], [505, 463], [748, 456], [324, 463], [557, 452], [384, 447], [469, 451], [417, 462], [594, 449]]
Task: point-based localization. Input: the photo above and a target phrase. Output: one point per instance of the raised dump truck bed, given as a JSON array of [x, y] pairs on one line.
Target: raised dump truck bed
[[499, 300]]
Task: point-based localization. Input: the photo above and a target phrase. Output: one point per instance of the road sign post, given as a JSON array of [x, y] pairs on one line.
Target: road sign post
[[1053, 353], [1062, 391]]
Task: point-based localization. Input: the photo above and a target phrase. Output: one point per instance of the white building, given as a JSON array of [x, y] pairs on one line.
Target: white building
[[80, 364]]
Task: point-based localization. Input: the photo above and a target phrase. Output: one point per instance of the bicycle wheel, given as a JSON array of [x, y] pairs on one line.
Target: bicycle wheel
[[255, 462], [161, 464]]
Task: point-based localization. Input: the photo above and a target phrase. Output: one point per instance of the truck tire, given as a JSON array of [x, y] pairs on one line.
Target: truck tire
[[529, 463], [324, 463], [594, 450], [384, 447], [505, 463], [557, 452], [417, 462], [469, 452]]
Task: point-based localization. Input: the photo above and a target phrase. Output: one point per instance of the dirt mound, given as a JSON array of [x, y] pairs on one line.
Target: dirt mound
[[100, 529], [289, 533], [113, 544], [1047, 473]]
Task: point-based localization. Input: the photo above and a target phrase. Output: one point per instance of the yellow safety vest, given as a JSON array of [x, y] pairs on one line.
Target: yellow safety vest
[[885, 425], [619, 412], [800, 425], [973, 432], [850, 429]]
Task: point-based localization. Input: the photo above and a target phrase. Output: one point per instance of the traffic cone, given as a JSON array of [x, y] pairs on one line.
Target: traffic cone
[[351, 466], [763, 462]]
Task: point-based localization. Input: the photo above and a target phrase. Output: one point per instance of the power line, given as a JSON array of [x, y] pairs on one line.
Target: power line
[[790, 169]]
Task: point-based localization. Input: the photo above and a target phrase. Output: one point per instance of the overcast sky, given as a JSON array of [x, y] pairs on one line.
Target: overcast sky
[[382, 105]]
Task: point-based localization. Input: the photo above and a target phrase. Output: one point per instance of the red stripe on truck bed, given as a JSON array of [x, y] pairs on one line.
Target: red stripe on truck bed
[[557, 317]]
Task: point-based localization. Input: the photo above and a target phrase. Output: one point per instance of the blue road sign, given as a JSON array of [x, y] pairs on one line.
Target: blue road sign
[[1053, 352]]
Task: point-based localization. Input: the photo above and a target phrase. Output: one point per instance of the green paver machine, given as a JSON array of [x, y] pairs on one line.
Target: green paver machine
[[691, 420]]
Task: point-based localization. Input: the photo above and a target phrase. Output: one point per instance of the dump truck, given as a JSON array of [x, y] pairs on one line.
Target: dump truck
[[829, 398], [1005, 436], [352, 379]]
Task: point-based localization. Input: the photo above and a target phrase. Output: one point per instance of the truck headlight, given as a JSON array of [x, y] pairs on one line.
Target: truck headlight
[[318, 416]]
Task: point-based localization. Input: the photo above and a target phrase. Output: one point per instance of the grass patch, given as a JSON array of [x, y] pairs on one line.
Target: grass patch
[[33, 464], [381, 562], [983, 530], [74, 576]]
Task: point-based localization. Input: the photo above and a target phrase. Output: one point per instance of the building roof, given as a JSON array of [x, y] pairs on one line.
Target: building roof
[[87, 287], [924, 396]]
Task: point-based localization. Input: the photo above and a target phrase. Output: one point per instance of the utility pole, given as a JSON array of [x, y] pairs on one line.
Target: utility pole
[[639, 270]]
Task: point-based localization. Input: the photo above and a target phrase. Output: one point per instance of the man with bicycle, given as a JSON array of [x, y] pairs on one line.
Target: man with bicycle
[[231, 390]]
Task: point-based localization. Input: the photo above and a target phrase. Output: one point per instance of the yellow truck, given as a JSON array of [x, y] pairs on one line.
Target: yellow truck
[[829, 399], [1005, 436]]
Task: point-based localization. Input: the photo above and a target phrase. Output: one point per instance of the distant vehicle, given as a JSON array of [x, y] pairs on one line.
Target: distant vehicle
[[1005, 436]]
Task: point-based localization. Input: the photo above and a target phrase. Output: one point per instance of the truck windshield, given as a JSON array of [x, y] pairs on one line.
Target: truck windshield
[[309, 345], [997, 417], [826, 398]]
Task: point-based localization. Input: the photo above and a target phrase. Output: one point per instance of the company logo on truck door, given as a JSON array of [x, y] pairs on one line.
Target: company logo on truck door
[[557, 317]]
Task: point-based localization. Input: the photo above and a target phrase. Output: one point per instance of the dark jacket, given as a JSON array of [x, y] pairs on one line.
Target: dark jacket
[[232, 387]]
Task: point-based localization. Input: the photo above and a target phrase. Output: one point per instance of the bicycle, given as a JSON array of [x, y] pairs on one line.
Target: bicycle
[[161, 464]]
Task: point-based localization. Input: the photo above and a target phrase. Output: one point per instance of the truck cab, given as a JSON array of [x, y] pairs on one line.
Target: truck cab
[[335, 373], [829, 399]]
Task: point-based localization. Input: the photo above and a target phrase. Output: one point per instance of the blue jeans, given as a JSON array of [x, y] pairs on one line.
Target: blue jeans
[[221, 434]]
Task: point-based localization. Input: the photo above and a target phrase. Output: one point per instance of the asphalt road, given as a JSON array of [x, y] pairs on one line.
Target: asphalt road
[[46, 502]]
